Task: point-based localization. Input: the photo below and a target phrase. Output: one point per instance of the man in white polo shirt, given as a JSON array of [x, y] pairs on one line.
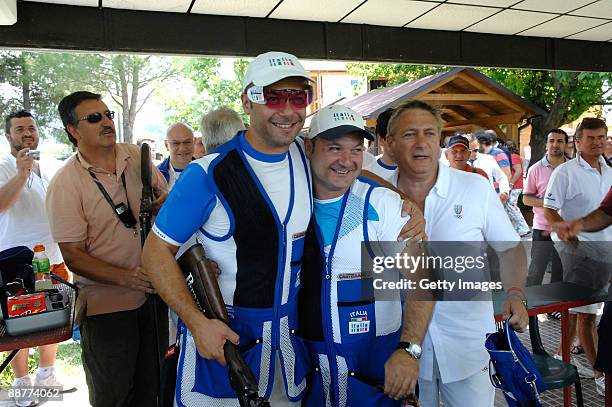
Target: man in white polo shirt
[[575, 189], [458, 206]]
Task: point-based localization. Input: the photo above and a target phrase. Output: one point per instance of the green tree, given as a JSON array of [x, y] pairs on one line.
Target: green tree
[[211, 91], [131, 81], [563, 95], [37, 81]]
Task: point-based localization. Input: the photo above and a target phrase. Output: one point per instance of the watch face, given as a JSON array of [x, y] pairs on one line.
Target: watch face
[[414, 350]]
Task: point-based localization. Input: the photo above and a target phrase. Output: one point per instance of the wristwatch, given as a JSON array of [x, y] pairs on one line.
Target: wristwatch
[[412, 349]]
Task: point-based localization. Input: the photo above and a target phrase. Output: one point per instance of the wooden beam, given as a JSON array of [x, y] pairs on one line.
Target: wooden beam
[[470, 128], [486, 89], [491, 121], [438, 84], [513, 134], [457, 97], [500, 134]]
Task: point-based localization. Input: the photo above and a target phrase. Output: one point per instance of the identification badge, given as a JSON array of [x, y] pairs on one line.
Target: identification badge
[[359, 323]]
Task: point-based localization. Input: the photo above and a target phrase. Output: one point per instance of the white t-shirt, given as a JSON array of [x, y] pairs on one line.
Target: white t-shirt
[[575, 189], [461, 206], [379, 168], [488, 164], [25, 223]]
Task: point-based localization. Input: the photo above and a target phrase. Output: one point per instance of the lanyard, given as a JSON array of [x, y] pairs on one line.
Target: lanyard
[[107, 196]]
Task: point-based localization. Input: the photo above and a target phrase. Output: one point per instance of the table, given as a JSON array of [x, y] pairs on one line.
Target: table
[[557, 297], [46, 337]]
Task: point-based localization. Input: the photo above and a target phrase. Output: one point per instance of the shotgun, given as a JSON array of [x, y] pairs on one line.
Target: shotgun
[[145, 216], [146, 198], [202, 283]]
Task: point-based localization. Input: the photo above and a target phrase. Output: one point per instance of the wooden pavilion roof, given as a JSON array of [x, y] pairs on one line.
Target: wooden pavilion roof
[[468, 99]]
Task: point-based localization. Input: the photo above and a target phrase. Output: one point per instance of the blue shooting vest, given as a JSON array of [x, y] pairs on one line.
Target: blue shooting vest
[[355, 335], [264, 279]]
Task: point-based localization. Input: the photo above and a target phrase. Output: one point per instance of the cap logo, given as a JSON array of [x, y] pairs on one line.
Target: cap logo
[[282, 61], [343, 117]]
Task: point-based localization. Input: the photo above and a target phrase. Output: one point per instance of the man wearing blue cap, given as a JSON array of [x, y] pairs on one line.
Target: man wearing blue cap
[[458, 152]]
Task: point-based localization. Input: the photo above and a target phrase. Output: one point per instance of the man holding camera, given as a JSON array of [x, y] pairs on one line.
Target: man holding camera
[[23, 222], [93, 203]]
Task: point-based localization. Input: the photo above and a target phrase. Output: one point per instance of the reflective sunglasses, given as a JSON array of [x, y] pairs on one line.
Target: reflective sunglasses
[[96, 117], [277, 98]]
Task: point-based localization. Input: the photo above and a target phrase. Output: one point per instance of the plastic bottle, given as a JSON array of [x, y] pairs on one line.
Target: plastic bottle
[[42, 268]]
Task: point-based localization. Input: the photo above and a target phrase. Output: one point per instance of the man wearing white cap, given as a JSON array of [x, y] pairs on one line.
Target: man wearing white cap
[[250, 204], [341, 323]]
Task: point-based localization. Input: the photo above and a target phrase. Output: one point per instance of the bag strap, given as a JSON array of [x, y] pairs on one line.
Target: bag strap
[[530, 377]]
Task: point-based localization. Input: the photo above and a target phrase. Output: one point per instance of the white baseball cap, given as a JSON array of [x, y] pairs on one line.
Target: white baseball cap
[[335, 121], [271, 67]]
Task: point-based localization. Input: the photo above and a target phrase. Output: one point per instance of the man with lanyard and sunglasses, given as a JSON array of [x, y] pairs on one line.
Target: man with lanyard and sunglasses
[[92, 204], [250, 203]]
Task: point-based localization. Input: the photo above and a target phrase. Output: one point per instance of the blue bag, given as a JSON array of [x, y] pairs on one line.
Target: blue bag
[[512, 369]]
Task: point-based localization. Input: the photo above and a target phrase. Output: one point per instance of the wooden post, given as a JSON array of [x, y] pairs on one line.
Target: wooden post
[[512, 133]]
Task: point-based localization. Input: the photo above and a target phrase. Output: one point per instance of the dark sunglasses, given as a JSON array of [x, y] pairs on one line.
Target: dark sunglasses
[[96, 117]]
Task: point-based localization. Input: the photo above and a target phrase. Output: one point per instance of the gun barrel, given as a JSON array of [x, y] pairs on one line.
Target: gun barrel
[[202, 283], [146, 197]]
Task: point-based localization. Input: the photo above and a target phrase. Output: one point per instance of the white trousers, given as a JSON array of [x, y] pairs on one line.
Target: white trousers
[[475, 391]]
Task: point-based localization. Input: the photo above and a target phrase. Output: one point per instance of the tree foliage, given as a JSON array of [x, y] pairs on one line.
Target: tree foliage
[[563, 95], [37, 81], [211, 91], [131, 80]]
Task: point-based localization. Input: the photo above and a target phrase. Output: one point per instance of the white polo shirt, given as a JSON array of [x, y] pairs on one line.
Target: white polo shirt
[[25, 223], [576, 189], [461, 206]]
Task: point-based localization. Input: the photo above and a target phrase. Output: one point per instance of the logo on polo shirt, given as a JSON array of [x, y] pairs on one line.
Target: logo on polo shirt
[[283, 61], [549, 197], [344, 117], [458, 211]]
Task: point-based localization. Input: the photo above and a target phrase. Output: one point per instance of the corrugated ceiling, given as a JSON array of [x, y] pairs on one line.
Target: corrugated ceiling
[[574, 19]]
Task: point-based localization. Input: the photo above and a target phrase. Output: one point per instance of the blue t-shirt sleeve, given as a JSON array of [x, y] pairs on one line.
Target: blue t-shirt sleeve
[[501, 158], [187, 208]]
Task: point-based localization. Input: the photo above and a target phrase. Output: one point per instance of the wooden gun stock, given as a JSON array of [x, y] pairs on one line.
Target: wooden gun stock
[[202, 283]]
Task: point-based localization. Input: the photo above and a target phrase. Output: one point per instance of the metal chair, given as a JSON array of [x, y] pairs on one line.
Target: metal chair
[[556, 373]]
